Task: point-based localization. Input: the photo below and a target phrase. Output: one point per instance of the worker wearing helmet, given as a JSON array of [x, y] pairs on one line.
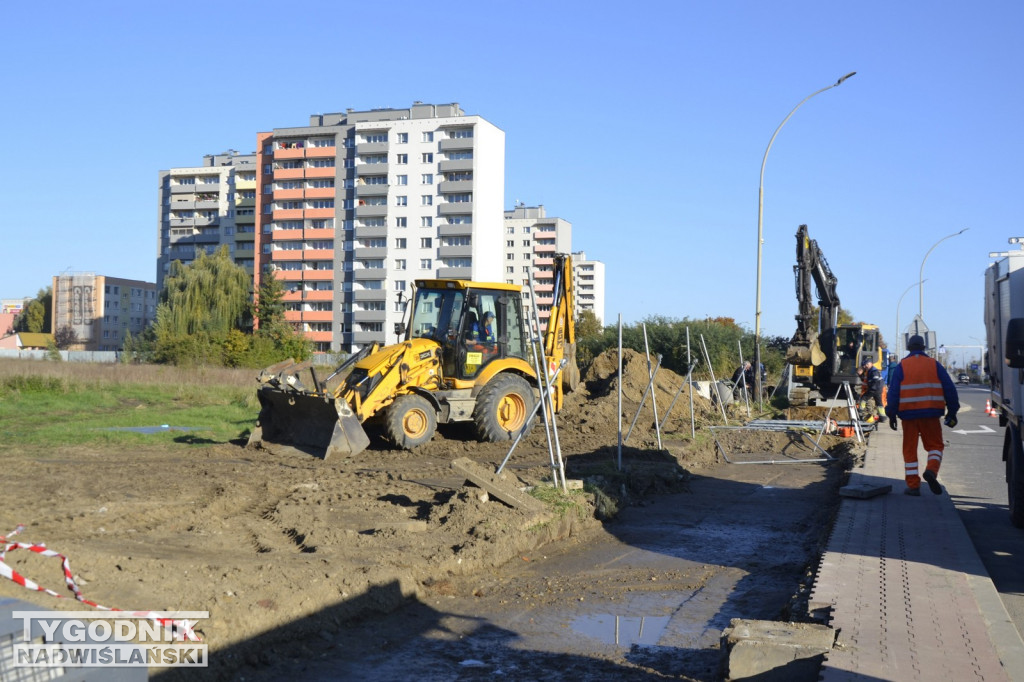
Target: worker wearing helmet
[[871, 383], [483, 332], [919, 393]]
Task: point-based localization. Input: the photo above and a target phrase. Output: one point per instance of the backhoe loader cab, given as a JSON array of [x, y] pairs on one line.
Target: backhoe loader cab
[[466, 357], [474, 325]]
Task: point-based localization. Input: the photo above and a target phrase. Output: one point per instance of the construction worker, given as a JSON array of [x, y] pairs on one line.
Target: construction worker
[[871, 385], [920, 392], [483, 332]]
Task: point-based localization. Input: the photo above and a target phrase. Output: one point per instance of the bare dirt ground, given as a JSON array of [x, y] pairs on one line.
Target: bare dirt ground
[[285, 550]]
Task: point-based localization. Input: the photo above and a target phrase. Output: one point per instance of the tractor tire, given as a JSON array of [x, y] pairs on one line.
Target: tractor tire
[[410, 421], [503, 408]]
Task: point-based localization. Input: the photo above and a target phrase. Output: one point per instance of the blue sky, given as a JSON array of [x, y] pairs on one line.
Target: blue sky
[[644, 124]]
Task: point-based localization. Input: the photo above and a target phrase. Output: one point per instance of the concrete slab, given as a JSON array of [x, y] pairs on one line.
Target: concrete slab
[[865, 490], [503, 487], [773, 651]]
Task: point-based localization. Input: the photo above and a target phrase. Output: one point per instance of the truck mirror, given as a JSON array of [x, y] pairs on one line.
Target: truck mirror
[[1015, 343]]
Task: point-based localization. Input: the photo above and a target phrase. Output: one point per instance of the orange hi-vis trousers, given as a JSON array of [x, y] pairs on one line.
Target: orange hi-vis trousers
[[929, 430]]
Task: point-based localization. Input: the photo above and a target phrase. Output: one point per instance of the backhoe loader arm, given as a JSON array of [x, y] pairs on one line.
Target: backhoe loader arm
[[560, 335]]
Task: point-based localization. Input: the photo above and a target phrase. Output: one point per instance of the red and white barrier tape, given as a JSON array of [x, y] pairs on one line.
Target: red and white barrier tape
[[182, 628]]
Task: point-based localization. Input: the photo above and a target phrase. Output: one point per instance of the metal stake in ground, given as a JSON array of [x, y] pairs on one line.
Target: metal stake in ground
[[654, 394], [650, 384], [547, 393], [714, 381]]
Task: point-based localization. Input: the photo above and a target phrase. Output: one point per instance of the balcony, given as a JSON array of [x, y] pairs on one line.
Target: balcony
[[292, 173], [455, 165], [372, 169], [364, 252], [454, 186], [319, 337], [208, 204], [183, 189], [317, 295], [202, 221], [371, 190], [317, 275], [543, 248], [455, 251], [371, 211], [456, 143], [365, 232], [245, 237], [285, 255], [366, 338], [455, 229], [320, 193], [289, 275], [370, 295], [282, 194], [297, 153], [318, 254], [321, 152], [328, 172], [278, 235], [288, 214], [369, 315], [318, 233], [317, 315], [456, 208], [371, 148], [371, 274]]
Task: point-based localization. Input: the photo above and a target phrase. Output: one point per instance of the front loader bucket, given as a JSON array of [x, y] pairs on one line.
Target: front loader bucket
[[308, 422]]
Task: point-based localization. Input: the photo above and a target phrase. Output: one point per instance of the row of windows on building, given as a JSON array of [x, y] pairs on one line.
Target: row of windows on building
[[366, 138], [363, 160]]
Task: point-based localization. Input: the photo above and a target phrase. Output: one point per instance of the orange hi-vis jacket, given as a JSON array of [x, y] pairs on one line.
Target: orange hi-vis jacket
[[919, 389]]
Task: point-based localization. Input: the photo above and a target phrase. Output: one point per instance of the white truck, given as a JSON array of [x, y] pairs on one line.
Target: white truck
[[1004, 329]]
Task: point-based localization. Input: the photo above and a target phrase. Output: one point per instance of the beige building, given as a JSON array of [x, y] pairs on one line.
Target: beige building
[[102, 310]]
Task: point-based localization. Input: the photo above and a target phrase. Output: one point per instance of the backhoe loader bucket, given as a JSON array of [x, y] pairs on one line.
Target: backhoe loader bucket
[[308, 422]]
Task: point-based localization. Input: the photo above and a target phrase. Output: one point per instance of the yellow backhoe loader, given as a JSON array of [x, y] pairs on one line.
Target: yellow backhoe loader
[[467, 356]]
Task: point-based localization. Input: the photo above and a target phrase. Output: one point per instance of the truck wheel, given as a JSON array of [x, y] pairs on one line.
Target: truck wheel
[[502, 408], [410, 421], [1014, 453]]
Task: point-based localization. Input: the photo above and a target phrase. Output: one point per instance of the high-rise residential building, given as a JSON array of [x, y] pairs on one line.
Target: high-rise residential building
[[101, 310], [531, 239], [354, 207], [589, 278], [205, 207]]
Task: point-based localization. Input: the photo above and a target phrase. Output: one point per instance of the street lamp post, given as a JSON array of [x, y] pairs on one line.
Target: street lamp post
[[899, 333], [760, 231], [920, 276]]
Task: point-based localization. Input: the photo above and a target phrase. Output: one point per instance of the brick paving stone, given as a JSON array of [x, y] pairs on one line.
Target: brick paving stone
[[895, 573]]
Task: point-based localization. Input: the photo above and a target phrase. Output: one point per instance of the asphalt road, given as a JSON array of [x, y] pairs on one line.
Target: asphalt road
[[974, 475]]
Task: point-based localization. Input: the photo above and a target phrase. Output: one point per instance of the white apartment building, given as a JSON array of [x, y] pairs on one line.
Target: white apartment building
[[356, 206], [531, 239], [204, 207], [590, 283]]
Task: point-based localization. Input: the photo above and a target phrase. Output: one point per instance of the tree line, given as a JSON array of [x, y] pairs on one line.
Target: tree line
[[206, 314]]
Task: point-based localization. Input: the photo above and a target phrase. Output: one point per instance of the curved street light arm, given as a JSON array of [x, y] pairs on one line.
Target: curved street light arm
[[920, 274], [760, 226]]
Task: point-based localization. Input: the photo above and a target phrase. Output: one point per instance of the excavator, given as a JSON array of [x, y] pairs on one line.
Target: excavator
[[449, 368], [824, 353]]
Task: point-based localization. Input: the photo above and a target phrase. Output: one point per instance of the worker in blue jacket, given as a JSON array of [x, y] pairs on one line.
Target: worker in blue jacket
[[920, 393]]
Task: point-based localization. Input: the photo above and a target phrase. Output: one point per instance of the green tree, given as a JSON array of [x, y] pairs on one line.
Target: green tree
[[65, 337], [199, 305], [209, 295], [35, 316], [268, 308]]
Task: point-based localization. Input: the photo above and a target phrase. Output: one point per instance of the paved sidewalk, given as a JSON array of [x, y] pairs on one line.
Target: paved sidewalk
[[909, 596]]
